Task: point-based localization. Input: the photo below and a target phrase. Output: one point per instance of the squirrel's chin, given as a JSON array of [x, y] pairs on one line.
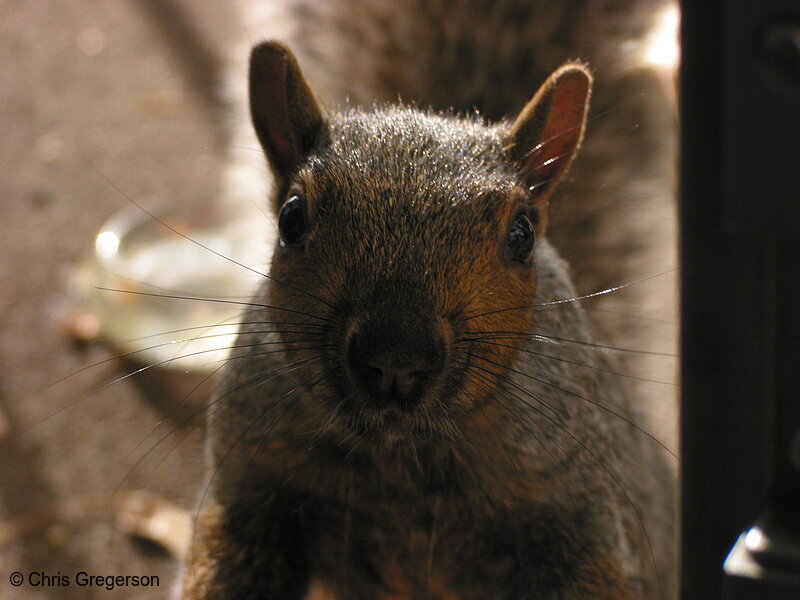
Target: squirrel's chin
[[392, 427]]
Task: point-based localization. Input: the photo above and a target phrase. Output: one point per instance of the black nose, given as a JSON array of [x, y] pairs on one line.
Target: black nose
[[393, 380], [394, 366]]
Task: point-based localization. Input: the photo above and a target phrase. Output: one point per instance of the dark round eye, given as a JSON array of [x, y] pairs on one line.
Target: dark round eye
[[520, 239], [292, 221]]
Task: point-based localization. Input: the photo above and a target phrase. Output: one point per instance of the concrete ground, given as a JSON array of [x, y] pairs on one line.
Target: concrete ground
[[120, 88]]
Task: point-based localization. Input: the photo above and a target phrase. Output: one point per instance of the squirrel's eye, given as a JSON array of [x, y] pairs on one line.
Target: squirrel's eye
[[292, 221], [520, 239]]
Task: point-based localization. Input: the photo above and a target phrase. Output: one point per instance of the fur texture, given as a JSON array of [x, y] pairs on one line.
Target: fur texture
[[517, 472]]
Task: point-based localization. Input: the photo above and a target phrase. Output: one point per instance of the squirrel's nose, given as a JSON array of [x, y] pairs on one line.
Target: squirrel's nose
[[391, 379], [393, 368]]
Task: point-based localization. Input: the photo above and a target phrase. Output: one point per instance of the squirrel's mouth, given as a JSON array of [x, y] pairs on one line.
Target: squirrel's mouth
[[391, 426]]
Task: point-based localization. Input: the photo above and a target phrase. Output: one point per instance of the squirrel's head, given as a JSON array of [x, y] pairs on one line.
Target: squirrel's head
[[407, 244]]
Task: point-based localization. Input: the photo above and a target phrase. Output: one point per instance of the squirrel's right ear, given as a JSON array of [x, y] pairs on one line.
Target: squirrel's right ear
[[549, 130], [286, 115]]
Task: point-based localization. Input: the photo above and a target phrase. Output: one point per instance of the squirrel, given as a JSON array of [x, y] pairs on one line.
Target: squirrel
[[413, 407]]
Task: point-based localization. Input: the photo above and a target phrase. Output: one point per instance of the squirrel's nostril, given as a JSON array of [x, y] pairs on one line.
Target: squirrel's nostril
[[391, 379], [393, 369]]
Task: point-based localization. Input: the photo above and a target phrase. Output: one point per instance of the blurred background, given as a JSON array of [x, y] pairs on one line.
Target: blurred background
[[116, 89]]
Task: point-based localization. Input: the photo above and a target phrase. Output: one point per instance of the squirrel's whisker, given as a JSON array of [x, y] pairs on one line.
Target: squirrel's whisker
[[585, 399], [609, 473], [186, 421], [577, 363], [318, 326], [213, 301], [200, 244], [519, 414]]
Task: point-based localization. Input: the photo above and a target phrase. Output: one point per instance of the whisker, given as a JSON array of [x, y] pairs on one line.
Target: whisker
[[628, 315], [174, 411], [220, 463], [605, 347], [552, 161], [555, 418], [553, 303], [265, 434], [152, 366], [568, 130], [612, 476], [552, 339], [573, 362], [510, 409], [259, 150], [509, 455], [527, 421], [222, 324], [132, 353], [208, 248], [603, 292], [228, 360], [214, 300], [195, 414], [544, 143], [584, 398]]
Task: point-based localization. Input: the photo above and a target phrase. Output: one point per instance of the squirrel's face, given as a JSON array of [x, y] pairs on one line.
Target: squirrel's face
[[407, 238], [406, 250]]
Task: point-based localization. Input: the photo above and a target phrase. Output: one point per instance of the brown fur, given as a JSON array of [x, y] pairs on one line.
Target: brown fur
[[486, 486]]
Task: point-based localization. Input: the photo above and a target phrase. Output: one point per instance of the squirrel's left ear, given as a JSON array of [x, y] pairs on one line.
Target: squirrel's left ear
[[287, 118], [548, 131]]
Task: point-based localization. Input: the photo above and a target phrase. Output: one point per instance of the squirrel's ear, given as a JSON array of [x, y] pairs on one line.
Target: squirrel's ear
[[548, 132], [286, 115]]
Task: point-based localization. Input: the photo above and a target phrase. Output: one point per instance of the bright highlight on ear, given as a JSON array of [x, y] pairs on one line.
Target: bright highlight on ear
[[549, 130]]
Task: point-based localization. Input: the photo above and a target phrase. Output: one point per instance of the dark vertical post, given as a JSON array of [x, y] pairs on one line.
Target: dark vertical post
[[740, 245]]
